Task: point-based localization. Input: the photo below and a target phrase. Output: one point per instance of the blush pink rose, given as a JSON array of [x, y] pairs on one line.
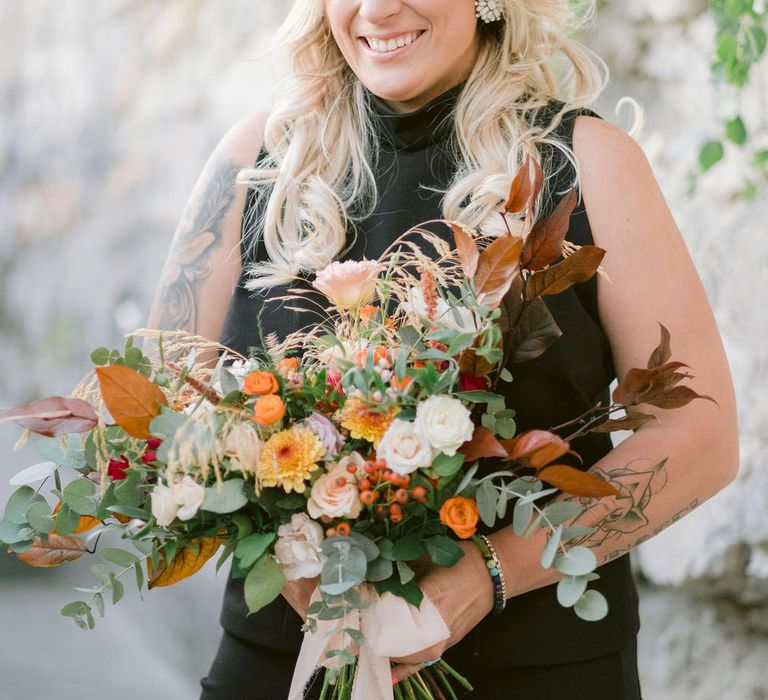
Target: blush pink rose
[[349, 284]]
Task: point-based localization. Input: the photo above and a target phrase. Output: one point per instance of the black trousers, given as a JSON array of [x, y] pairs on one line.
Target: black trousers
[[246, 671]]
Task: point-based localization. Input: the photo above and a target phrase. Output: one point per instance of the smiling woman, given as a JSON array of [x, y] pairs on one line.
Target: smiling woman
[[398, 112]]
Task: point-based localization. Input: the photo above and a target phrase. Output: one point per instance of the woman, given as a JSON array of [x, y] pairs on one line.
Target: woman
[[399, 111]]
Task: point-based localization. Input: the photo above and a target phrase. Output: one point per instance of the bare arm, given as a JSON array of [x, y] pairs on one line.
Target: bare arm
[[652, 280], [203, 264]]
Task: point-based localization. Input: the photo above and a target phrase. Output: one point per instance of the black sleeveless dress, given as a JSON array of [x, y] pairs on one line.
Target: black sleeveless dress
[[534, 650]]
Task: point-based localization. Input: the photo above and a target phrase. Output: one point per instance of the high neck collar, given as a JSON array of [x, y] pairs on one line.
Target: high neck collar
[[411, 131]]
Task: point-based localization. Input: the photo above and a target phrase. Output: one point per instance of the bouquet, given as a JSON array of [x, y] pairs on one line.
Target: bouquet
[[355, 451]]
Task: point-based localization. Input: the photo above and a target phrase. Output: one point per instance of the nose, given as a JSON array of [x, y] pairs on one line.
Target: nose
[[376, 11]]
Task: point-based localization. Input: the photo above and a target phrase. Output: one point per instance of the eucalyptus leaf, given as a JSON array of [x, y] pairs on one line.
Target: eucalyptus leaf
[[592, 606], [577, 561], [379, 570], [445, 465], [487, 496], [66, 520], [549, 552], [18, 503], [73, 456], [466, 479], [405, 572], [39, 516], [80, 495], [561, 511], [37, 472], [225, 498], [121, 557], [12, 533], [368, 546], [521, 516], [570, 589]]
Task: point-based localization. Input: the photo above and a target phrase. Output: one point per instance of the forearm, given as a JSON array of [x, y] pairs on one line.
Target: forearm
[[662, 472]]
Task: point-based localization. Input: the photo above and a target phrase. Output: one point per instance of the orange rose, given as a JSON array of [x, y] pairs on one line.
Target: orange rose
[[287, 365], [367, 312], [260, 383], [268, 409], [461, 515]]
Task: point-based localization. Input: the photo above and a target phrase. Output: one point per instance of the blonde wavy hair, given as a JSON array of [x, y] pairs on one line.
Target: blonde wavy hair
[[318, 173]]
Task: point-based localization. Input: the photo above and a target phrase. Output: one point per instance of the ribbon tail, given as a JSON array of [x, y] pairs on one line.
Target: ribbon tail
[[312, 651], [373, 676]]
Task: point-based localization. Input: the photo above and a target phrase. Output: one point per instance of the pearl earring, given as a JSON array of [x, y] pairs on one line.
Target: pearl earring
[[488, 10]]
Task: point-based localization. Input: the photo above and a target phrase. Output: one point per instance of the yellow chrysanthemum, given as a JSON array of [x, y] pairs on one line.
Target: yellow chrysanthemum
[[364, 423], [288, 459]]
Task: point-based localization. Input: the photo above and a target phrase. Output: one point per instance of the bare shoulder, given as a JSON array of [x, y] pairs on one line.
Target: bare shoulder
[[243, 140]]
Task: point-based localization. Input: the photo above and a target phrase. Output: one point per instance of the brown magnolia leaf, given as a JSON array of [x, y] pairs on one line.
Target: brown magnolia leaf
[[470, 363], [483, 444], [524, 189], [184, 564], [631, 422], [662, 352], [55, 415], [131, 398], [496, 269], [576, 482], [534, 333], [58, 550], [467, 250], [676, 397], [579, 266], [545, 242], [639, 384], [535, 448], [511, 305], [86, 522]]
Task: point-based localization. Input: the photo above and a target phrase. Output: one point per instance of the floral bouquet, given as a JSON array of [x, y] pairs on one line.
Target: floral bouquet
[[356, 451]]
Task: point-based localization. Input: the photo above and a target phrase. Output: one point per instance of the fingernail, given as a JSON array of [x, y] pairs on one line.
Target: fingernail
[[394, 680]]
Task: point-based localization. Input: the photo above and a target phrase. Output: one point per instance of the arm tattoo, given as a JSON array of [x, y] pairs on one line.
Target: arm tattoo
[[198, 234], [614, 516]]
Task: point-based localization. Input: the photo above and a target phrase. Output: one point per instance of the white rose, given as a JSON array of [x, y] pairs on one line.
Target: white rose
[[404, 448], [445, 422], [335, 495], [189, 497], [164, 505], [298, 547], [449, 315]]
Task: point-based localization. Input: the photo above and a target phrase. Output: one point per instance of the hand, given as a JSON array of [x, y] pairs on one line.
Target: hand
[[298, 594], [463, 594]]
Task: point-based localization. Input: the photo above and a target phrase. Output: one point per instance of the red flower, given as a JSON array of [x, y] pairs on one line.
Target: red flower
[[149, 456], [154, 442], [117, 468], [470, 382]]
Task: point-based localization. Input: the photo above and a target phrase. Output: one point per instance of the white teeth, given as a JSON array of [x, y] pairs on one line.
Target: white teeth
[[391, 44]]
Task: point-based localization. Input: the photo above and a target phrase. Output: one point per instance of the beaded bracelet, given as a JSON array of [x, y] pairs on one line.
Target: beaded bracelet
[[494, 569]]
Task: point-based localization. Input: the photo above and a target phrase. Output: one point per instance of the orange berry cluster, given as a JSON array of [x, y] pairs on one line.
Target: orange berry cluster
[[388, 490]]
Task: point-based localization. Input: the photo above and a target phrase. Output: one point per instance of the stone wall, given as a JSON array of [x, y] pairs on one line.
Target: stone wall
[[109, 111]]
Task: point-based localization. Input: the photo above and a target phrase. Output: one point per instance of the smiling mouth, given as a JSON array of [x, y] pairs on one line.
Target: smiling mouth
[[385, 46]]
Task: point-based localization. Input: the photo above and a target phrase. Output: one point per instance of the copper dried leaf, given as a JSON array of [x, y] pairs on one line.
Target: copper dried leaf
[[638, 385], [53, 416], [576, 482], [496, 269], [184, 564], [577, 267], [473, 364], [131, 398], [467, 250], [662, 352], [511, 305], [534, 333], [631, 422], [58, 550], [535, 448], [524, 188], [545, 242], [676, 397], [483, 444]]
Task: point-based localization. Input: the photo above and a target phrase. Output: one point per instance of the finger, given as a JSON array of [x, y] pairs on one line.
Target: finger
[[402, 671]]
